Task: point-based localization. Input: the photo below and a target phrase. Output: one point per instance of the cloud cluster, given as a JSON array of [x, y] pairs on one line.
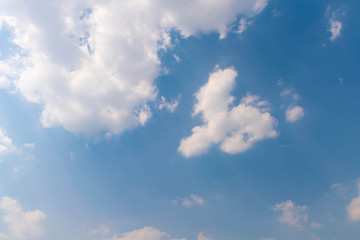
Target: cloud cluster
[[91, 64], [293, 112], [234, 128], [6, 145], [291, 214], [22, 225], [335, 22], [150, 233], [353, 208]]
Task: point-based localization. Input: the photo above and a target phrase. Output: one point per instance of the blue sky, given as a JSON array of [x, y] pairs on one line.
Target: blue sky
[[161, 120]]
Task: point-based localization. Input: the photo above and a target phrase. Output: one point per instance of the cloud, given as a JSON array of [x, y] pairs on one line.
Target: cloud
[[170, 106], [291, 214], [193, 200], [3, 236], [29, 145], [268, 239], [335, 22], [147, 233], [22, 225], [102, 230], [202, 237], [353, 208], [294, 113], [91, 64], [6, 145], [234, 128], [335, 29], [243, 24], [340, 188]]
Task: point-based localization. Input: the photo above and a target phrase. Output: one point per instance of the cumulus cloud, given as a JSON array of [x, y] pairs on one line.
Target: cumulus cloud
[[170, 106], [22, 225], [335, 22], [291, 214], [149, 233], [234, 128], [6, 145], [353, 208], [91, 64], [294, 113]]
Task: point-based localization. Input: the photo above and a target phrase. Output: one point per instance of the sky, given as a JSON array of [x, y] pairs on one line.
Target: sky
[[179, 120]]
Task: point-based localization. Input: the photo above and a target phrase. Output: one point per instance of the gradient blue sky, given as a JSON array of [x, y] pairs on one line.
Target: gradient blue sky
[[97, 103]]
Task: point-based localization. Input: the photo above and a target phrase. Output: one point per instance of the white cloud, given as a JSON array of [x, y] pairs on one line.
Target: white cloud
[[193, 200], [291, 214], [6, 145], [102, 230], [235, 128], [242, 25], [170, 106], [146, 233], [335, 29], [3, 236], [335, 22], [29, 145], [202, 237], [177, 58], [22, 225], [91, 64], [268, 239], [294, 113], [353, 208]]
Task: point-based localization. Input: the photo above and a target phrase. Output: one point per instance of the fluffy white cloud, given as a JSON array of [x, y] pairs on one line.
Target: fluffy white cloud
[[170, 106], [22, 225], [353, 208], [147, 233], [235, 128], [91, 64], [335, 29], [6, 145], [291, 213], [294, 113], [335, 23]]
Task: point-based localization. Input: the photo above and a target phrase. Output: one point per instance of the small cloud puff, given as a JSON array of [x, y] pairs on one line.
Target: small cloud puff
[[235, 128], [291, 214], [353, 208], [335, 22], [170, 106], [294, 113]]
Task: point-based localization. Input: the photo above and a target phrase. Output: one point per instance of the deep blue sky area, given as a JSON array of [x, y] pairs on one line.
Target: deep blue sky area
[[80, 174]]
